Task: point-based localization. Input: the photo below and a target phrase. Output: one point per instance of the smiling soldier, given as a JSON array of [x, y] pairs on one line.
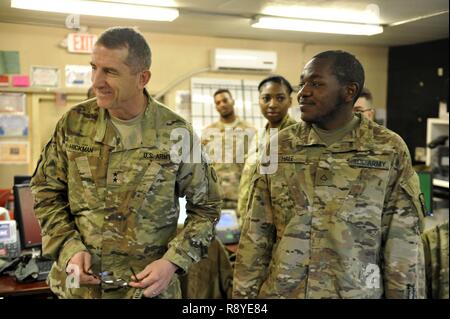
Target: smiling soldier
[[340, 217]]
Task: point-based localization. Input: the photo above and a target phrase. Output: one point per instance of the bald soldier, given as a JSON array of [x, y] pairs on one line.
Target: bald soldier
[[274, 102], [364, 105], [106, 186], [227, 142], [340, 216]]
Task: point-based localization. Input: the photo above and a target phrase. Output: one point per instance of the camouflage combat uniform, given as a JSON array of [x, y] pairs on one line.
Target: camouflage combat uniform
[[341, 221], [120, 205], [228, 172], [211, 277], [250, 168], [436, 257]]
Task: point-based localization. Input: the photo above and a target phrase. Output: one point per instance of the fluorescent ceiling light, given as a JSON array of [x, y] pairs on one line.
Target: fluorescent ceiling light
[[371, 14], [157, 3], [316, 26], [101, 9]]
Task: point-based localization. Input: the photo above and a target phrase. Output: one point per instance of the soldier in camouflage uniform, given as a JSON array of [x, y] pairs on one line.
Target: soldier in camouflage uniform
[[436, 258], [227, 164], [340, 217], [364, 105], [106, 187], [274, 101]]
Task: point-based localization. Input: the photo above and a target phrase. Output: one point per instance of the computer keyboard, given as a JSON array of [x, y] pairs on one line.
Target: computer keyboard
[[44, 266], [32, 269]]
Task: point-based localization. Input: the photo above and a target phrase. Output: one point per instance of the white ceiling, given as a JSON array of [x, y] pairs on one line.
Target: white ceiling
[[231, 18]]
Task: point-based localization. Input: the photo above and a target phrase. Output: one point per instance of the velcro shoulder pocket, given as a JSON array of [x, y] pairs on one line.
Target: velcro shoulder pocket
[[411, 186]]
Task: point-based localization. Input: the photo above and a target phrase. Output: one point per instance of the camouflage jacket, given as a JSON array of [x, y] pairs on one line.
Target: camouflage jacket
[[120, 205], [211, 277], [250, 169], [229, 164], [341, 221], [436, 257]]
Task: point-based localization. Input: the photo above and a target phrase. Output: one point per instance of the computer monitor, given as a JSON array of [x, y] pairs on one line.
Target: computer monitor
[[29, 228], [227, 228], [426, 186], [22, 179]]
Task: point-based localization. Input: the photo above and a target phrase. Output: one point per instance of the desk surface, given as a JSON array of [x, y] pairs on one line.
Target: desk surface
[[10, 287]]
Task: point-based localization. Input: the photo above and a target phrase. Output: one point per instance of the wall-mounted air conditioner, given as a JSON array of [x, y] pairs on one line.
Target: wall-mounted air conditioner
[[243, 60]]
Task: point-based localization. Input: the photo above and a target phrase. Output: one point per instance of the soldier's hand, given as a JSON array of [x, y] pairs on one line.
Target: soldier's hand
[[155, 278], [82, 261]]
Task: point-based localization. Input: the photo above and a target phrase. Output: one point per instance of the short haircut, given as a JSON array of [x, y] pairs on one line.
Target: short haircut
[[365, 93], [139, 54], [276, 79], [219, 91], [345, 67]]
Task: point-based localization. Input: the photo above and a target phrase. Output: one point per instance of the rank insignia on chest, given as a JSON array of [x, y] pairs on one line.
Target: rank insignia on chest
[[115, 177], [324, 177]]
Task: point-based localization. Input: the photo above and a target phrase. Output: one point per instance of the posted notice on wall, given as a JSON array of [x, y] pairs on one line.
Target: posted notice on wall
[[12, 103], [78, 76], [44, 76], [12, 152], [13, 125], [9, 62]]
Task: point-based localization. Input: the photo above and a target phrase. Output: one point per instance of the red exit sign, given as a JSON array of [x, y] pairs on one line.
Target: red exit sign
[[81, 42]]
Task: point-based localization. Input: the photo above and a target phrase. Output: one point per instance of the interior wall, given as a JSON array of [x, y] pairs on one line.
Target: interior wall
[[177, 55]]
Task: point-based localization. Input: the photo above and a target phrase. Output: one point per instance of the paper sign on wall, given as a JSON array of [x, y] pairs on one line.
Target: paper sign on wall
[[4, 80], [9, 62], [78, 76], [44, 76], [12, 103], [14, 152], [18, 80], [13, 125]]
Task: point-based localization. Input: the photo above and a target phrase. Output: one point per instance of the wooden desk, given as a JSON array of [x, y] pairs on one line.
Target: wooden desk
[[9, 287]]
